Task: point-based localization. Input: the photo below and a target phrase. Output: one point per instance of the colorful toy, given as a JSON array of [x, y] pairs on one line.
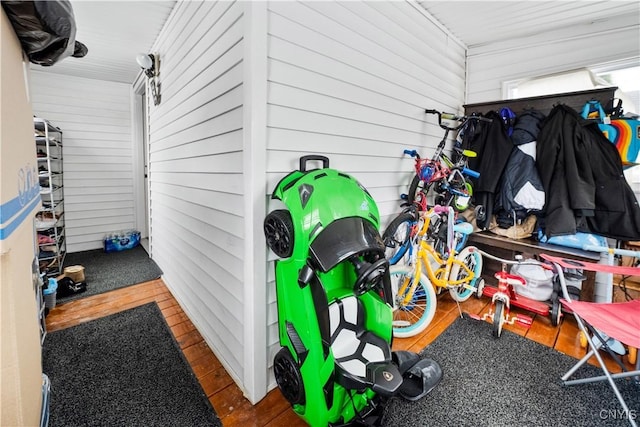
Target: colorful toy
[[504, 296], [335, 366]]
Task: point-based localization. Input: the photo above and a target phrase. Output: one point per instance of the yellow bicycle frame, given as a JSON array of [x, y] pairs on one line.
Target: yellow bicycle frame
[[426, 253]]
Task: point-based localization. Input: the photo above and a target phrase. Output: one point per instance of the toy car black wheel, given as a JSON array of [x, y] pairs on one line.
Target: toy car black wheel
[[288, 377], [556, 313], [480, 213], [278, 230]]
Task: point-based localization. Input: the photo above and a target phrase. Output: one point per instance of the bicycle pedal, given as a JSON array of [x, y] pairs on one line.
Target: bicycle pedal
[[474, 316], [524, 320]]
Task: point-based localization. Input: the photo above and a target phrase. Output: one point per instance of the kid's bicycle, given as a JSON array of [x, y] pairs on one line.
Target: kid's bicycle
[[446, 177], [400, 235], [414, 293]]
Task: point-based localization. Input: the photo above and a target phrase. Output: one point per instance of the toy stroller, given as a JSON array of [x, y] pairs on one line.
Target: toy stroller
[[335, 366]]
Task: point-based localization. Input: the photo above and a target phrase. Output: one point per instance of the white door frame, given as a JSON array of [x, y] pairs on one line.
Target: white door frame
[[139, 139]]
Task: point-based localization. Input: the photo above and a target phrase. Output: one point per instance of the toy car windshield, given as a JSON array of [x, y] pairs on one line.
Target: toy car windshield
[[343, 238]]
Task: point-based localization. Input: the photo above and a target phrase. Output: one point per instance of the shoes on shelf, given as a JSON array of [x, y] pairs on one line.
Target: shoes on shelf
[[44, 239], [46, 254], [49, 249], [46, 220], [48, 189]]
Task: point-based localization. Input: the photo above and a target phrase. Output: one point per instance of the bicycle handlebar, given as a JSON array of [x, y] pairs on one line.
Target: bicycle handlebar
[[508, 261], [471, 173], [510, 279], [454, 117], [412, 153]]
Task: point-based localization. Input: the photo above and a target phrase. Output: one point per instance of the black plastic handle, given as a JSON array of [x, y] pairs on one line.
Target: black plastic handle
[[305, 159]]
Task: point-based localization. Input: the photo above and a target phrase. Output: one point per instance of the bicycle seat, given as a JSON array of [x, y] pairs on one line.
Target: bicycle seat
[[463, 228]]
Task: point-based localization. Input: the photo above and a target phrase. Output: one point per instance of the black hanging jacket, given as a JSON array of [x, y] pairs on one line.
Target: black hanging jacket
[[493, 146], [585, 187]]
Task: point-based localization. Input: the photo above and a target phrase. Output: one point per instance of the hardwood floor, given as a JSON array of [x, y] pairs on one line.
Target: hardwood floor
[[273, 411]]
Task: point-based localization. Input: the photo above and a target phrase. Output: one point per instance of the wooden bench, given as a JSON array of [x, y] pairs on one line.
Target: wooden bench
[[507, 248]]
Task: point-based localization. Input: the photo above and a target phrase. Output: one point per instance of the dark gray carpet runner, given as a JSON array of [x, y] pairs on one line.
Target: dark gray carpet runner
[[509, 381], [108, 271], [123, 370]]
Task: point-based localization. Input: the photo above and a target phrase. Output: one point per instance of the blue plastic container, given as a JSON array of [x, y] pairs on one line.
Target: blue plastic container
[[50, 294], [121, 241]]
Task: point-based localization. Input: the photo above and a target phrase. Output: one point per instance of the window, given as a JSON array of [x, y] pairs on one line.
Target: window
[[625, 75]]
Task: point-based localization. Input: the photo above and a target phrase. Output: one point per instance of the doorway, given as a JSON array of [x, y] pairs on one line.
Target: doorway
[[141, 162]]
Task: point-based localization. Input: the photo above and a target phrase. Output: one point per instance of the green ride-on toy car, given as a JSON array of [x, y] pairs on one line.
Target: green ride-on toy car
[[334, 300]]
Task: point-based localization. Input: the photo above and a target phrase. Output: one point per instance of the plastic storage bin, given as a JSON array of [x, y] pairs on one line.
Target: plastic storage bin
[[50, 294], [539, 285]]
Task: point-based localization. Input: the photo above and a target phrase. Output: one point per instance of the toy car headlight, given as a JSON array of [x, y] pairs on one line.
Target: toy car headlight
[[343, 238]]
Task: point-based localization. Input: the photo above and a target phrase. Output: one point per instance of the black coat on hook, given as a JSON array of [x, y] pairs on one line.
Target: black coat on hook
[[585, 187]]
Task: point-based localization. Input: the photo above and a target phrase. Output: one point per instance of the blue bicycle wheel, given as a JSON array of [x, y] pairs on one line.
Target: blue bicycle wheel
[[473, 260], [412, 316], [397, 237]]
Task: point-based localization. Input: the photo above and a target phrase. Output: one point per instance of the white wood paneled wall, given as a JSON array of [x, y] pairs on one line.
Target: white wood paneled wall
[[348, 80], [196, 172], [351, 80], [549, 52], [95, 117]]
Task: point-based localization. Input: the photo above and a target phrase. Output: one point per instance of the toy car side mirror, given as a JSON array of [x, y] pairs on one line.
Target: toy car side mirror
[[305, 276]]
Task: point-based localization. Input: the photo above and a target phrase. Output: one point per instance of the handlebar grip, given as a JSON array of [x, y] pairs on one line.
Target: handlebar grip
[[509, 278], [450, 116], [428, 111], [439, 209], [305, 159], [516, 281], [471, 173], [412, 153]]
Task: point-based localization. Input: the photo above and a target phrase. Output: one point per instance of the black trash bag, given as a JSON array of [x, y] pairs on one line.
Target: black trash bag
[[46, 30]]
